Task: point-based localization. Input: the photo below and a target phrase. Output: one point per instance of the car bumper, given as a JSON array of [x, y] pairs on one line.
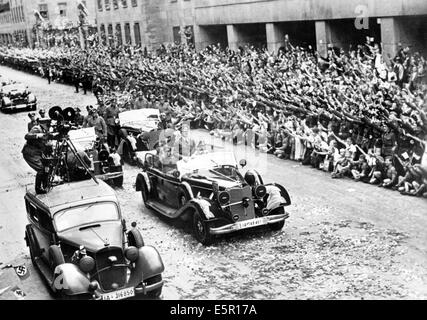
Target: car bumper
[[144, 289], [257, 222], [109, 176], [18, 107], [140, 289]]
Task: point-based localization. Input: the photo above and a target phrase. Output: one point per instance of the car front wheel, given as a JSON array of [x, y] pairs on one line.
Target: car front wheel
[[155, 293], [144, 193], [278, 225], [201, 230]]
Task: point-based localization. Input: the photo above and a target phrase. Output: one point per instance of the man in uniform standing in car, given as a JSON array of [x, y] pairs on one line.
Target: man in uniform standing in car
[[94, 120], [34, 150]]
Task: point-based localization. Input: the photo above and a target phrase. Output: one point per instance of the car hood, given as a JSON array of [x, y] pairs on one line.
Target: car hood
[[223, 184], [110, 233]]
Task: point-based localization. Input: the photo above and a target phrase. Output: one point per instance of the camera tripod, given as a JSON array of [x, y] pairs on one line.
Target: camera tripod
[[58, 165]]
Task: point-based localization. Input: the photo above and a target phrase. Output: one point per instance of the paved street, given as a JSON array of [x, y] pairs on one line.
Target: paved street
[[343, 239]]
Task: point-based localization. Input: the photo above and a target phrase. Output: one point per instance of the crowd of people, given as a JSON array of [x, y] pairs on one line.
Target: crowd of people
[[347, 113]]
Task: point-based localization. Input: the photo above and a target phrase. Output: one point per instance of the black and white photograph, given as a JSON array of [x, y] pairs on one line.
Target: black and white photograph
[[230, 151]]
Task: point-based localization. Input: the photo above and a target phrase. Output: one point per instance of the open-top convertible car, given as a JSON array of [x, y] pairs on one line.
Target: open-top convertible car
[[82, 247], [138, 132], [106, 166], [16, 97], [209, 191]]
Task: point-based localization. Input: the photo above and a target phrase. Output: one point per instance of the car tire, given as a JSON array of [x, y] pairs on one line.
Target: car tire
[[144, 193], [158, 292], [201, 230], [135, 239], [127, 157], [278, 225], [118, 182], [56, 257]]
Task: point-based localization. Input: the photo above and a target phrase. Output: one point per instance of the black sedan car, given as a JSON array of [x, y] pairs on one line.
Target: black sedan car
[[16, 97], [209, 192], [83, 248]]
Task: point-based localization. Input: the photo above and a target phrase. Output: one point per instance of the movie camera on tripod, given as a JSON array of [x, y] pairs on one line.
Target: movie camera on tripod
[[63, 120], [56, 164]]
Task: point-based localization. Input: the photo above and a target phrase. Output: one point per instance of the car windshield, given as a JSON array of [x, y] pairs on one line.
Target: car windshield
[[84, 215], [139, 118], [13, 87], [224, 172]]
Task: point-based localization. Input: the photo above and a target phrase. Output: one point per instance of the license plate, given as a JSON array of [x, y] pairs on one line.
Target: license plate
[[119, 295], [250, 223]]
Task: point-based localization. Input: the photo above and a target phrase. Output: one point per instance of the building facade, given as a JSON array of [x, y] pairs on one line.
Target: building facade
[[133, 22], [18, 19], [233, 23]]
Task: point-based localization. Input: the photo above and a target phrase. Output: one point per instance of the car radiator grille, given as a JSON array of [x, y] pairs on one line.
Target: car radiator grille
[[111, 273], [17, 101], [236, 196]]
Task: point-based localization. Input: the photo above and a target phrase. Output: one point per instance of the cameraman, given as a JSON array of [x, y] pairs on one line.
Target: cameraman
[[35, 148]]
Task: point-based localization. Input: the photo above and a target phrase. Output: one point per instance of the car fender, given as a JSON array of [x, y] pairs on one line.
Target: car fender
[[69, 279], [204, 207], [257, 176], [143, 178], [6, 101], [187, 187], [32, 98], [148, 265], [284, 194]]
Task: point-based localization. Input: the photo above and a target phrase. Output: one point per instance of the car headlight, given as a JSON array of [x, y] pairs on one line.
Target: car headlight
[[132, 254], [260, 191], [224, 198], [87, 264]]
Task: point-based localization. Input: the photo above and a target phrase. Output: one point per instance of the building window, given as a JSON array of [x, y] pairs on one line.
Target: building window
[[100, 5], [110, 35], [103, 35], [107, 4], [119, 34], [176, 35], [124, 3], [137, 32], [128, 38], [43, 10], [116, 4], [134, 4], [62, 9]]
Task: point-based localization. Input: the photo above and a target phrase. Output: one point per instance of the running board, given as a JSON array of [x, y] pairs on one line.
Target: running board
[[162, 208], [167, 210]]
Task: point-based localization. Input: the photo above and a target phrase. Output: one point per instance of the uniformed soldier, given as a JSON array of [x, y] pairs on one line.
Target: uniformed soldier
[[33, 121], [94, 120], [79, 119], [33, 152], [110, 116], [184, 146]]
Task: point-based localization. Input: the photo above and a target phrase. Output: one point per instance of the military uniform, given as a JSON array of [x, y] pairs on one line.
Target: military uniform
[[110, 116], [33, 151], [98, 123]]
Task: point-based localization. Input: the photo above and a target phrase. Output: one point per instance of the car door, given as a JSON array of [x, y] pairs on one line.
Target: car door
[[43, 228], [155, 175], [171, 189]]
